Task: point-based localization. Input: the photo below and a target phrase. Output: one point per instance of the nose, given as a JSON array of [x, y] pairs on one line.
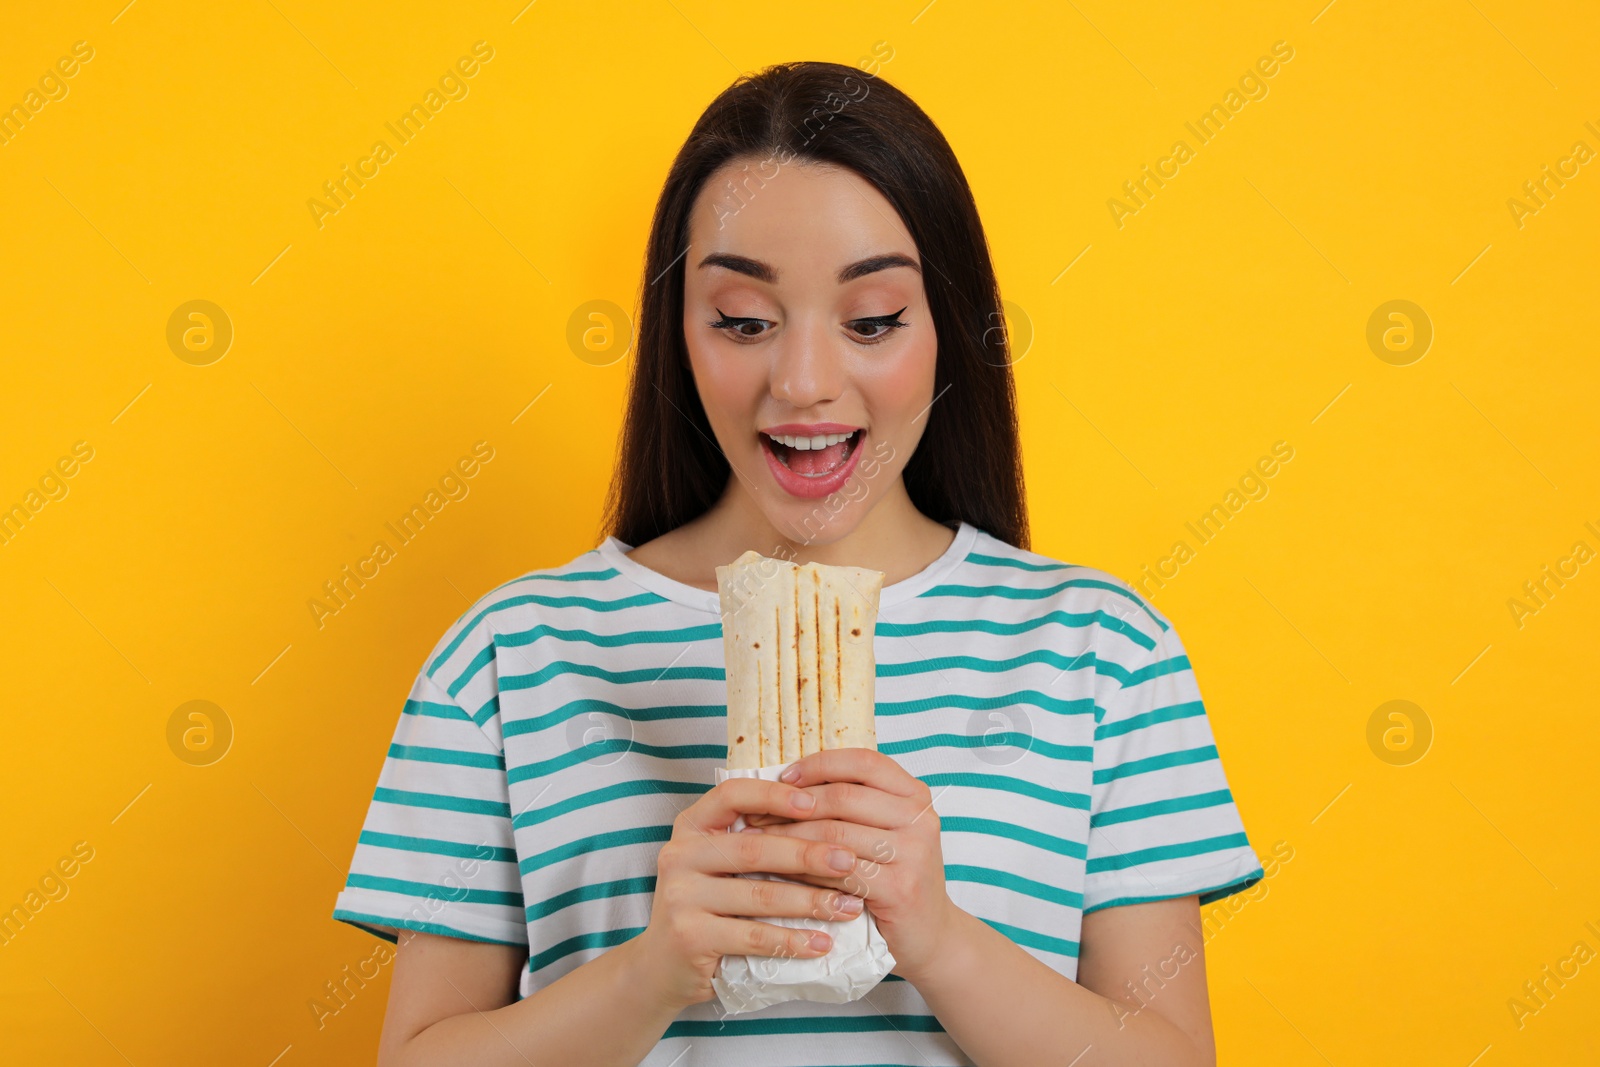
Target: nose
[[807, 365]]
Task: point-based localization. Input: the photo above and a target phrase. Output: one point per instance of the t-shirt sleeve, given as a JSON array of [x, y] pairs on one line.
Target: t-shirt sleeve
[[436, 853], [1162, 821]]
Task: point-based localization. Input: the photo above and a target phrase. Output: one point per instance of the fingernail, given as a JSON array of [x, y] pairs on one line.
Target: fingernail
[[820, 941], [790, 775], [840, 860], [850, 905], [803, 801]]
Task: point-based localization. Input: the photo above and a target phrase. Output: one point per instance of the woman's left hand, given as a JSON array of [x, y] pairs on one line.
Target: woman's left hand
[[869, 804]]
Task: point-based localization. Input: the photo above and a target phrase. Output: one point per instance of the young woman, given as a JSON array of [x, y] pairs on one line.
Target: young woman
[[820, 375]]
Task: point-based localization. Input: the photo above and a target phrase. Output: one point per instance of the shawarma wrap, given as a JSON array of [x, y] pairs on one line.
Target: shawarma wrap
[[797, 639]]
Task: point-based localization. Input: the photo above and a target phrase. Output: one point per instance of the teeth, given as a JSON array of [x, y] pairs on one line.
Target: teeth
[[805, 444]]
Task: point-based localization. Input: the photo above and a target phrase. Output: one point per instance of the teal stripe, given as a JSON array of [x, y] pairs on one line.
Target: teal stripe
[[987, 666], [684, 635], [1207, 896], [973, 703], [965, 824], [1187, 710], [1135, 812], [1011, 592], [370, 922], [484, 657], [435, 847], [1033, 939], [596, 939], [589, 670], [614, 745], [944, 702], [603, 575], [1170, 665], [640, 787], [432, 709], [1121, 675], [1155, 763], [1002, 739], [489, 710], [1166, 852], [574, 708], [739, 1026], [1069, 619], [1009, 784], [572, 576], [960, 872], [589, 603], [1018, 564], [635, 835], [453, 894], [423, 754], [442, 802], [1211, 896], [600, 891]]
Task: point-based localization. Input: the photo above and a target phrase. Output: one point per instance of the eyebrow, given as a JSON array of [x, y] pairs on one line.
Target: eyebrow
[[765, 272]]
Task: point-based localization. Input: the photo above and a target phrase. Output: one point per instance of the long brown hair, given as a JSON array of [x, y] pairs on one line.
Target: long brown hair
[[968, 464]]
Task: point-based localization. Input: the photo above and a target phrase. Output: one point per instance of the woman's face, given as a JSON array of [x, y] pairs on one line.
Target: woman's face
[[810, 340]]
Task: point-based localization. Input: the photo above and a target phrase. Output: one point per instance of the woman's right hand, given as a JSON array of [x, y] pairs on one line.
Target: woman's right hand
[[696, 917]]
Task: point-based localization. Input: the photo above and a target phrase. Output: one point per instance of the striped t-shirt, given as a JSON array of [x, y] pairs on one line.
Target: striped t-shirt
[[564, 720]]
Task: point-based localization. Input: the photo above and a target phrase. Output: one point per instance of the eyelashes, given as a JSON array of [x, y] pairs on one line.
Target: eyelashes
[[883, 324], [889, 323], [727, 323]]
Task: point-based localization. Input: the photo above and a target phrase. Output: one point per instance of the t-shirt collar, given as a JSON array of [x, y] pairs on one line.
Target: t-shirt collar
[[614, 552]]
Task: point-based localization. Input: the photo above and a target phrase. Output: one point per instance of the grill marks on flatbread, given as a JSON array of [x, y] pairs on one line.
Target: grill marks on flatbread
[[800, 669]]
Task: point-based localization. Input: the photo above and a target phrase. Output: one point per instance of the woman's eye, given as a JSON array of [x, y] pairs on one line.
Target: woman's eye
[[877, 327], [742, 327]]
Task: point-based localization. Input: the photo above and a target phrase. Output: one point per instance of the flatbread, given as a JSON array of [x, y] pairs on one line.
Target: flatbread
[[797, 640]]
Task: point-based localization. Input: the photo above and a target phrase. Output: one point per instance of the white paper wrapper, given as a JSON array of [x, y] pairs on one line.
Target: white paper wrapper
[[857, 961]]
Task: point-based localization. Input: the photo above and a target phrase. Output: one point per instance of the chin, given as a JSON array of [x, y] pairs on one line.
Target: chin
[[824, 522]]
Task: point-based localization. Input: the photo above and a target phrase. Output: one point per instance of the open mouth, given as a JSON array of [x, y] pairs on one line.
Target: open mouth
[[813, 457]]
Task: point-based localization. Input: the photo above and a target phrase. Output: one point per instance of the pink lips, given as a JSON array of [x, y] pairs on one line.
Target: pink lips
[[808, 429], [811, 487]]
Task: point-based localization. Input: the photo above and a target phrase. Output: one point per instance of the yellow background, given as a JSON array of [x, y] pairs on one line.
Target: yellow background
[[1229, 313]]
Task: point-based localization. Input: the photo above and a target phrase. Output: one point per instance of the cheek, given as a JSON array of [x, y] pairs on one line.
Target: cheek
[[908, 377], [730, 388], [897, 391]]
